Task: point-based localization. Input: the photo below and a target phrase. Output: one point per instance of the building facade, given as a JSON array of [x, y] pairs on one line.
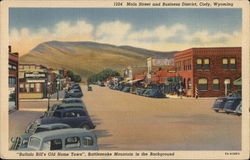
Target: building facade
[[13, 79], [32, 81], [209, 72]]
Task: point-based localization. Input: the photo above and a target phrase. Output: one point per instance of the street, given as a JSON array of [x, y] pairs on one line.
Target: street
[[131, 122]]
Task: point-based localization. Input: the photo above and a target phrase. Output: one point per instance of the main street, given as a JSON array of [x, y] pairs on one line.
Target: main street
[[131, 122]]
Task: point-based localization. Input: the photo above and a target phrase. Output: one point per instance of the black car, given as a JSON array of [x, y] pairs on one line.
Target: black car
[[154, 93], [219, 104], [73, 93], [72, 100], [140, 91], [59, 106], [126, 89], [74, 117], [231, 104]]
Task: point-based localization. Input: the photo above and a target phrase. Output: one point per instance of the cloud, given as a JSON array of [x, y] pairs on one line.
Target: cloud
[[202, 38], [161, 38], [159, 33]]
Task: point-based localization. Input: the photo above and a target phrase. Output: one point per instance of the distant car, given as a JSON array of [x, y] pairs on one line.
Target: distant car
[[90, 88], [65, 139], [126, 89], [101, 84], [219, 104], [140, 91], [75, 86], [73, 93], [22, 141], [55, 107], [154, 93], [74, 117], [231, 104], [72, 100]]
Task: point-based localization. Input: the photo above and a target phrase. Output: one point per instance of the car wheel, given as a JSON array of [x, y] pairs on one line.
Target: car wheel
[[216, 110], [85, 127]]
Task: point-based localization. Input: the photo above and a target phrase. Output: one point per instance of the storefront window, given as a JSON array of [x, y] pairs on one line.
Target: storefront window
[[38, 87], [21, 88], [32, 86], [202, 84], [216, 84], [199, 64], [189, 83], [27, 88], [225, 63]]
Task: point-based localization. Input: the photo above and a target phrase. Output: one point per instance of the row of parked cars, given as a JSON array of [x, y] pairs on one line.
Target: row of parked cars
[[231, 104], [64, 126], [147, 92]]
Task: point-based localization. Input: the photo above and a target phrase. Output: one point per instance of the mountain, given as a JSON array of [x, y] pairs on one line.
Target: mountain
[[87, 58]]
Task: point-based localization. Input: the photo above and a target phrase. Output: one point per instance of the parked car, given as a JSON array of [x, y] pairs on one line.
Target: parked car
[[74, 117], [72, 100], [154, 93], [65, 139], [55, 107], [22, 141], [74, 93], [219, 104], [126, 89], [140, 91], [231, 104], [75, 86], [90, 88], [101, 84]]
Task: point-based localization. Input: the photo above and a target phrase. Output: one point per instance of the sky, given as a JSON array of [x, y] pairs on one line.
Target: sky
[[161, 29]]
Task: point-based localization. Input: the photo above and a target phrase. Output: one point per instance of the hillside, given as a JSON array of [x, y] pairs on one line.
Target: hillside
[[87, 58]]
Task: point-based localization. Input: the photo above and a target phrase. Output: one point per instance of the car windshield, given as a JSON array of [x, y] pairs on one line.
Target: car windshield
[[34, 142]]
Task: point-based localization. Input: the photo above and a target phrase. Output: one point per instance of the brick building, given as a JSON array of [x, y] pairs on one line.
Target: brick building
[[13, 79], [210, 72]]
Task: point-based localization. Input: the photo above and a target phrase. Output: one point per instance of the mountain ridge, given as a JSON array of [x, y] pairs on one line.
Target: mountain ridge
[[87, 58]]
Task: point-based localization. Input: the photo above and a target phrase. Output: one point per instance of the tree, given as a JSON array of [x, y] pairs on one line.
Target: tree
[[103, 75]]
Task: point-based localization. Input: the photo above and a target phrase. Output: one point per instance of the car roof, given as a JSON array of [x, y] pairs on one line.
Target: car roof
[[65, 105], [62, 132], [71, 109], [53, 125], [68, 99]]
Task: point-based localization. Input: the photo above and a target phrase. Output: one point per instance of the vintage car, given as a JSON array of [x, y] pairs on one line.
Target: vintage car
[[231, 104], [32, 128], [55, 107], [74, 117], [219, 104], [154, 93], [75, 86], [140, 91], [74, 93], [90, 88], [65, 139], [72, 100]]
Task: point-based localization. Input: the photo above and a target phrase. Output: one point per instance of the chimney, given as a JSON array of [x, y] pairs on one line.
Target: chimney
[[9, 49]]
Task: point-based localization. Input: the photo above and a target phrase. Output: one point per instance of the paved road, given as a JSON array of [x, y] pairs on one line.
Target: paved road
[[130, 122]]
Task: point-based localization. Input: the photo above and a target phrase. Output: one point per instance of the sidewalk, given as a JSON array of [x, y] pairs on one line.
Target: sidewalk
[[53, 97], [184, 97]]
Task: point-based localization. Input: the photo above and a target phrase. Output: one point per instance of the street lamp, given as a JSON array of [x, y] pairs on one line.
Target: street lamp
[[57, 86], [48, 91]]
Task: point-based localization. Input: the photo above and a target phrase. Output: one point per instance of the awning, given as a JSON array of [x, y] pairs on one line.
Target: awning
[[134, 81], [237, 82]]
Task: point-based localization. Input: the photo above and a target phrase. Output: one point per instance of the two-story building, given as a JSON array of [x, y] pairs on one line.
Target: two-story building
[[209, 72], [13, 79]]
